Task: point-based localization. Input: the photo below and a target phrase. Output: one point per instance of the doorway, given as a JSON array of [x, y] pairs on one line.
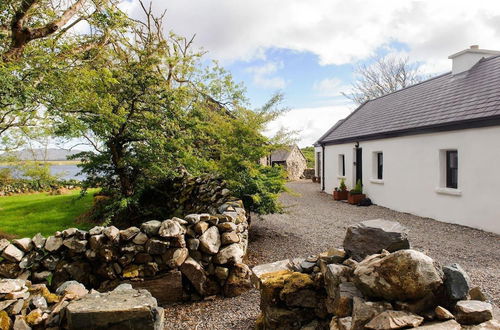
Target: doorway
[[359, 165]]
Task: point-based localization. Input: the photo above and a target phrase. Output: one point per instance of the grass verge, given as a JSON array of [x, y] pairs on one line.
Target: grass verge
[[26, 215]]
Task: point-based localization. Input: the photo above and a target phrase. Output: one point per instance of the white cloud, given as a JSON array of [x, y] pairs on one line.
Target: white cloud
[[330, 87], [263, 75], [311, 123], [337, 31]]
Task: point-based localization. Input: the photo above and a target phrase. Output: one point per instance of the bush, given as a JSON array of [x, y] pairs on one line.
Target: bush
[[358, 188], [342, 185]]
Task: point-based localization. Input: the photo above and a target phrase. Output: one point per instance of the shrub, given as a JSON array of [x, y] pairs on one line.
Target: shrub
[[342, 185], [358, 188]]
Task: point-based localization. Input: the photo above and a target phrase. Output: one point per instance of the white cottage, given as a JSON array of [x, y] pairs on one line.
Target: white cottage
[[431, 149]]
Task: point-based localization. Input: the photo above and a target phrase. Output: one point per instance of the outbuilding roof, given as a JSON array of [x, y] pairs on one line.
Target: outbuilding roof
[[445, 102]]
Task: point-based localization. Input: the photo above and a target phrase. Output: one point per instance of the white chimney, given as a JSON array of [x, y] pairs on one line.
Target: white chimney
[[466, 59]]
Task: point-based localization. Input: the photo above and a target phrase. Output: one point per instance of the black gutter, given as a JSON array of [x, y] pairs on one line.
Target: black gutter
[[457, 125], [322, 167]]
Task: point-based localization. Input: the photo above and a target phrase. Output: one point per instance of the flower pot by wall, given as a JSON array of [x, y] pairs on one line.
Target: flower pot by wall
[[340, 195], [355, 198]]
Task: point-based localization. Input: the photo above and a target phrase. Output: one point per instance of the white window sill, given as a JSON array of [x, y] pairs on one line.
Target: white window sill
[[377, 181], [448, 191], [341, 177]]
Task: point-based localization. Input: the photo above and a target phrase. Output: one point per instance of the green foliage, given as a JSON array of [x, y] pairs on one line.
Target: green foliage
[[342, 185], [309, 154], [358, 188]]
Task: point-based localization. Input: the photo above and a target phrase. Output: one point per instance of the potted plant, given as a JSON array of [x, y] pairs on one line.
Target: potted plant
[[356, 194], [341, 192]]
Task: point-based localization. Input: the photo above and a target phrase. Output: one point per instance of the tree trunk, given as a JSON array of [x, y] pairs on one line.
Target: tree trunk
[[117, 156]]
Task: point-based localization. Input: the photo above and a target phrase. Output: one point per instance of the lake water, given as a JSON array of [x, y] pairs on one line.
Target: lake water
[[66, 172]]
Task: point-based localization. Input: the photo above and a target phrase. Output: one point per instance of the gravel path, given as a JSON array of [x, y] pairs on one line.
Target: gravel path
[[312, 223]]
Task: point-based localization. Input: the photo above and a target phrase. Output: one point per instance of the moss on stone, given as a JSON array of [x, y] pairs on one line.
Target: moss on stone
[[296, 282], [132, 271], [33, 317], [5, 321]]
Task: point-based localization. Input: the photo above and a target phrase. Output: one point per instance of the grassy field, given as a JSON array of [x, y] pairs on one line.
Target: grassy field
[[48, 162], [26, 215]]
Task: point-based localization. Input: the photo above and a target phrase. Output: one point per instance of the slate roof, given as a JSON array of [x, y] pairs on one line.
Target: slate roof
[[440, 103], [282, 155]]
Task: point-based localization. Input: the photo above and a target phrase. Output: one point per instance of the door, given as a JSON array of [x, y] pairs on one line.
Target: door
[[359, 165]]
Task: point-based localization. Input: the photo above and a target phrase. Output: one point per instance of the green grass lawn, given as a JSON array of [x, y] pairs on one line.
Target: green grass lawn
[[26, 215]]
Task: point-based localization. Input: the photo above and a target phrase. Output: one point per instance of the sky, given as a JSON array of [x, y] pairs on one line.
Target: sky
[[307, 50]]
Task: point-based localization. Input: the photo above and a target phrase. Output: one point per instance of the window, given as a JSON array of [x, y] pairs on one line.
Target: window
[[451, 169], [380, 165], [341, 165]]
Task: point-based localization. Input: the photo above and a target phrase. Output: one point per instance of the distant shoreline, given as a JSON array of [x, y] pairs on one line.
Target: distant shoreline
[[47, 162]]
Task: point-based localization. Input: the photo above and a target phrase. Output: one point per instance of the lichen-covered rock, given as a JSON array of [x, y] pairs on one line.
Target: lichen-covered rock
[[473, 311], [5, 322], [173, 258], [402, 275], [456, 282], [373, 236], [299, 290], [210, 241], [388, 320]]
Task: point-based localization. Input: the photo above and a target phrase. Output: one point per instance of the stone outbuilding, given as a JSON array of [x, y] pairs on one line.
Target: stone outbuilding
[[292, 160]]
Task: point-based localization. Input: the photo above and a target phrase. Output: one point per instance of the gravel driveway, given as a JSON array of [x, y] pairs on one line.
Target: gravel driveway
[[313, 222]]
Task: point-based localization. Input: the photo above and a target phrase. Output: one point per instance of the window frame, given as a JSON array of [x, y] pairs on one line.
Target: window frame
[[341, 165], [380, 165], [451, 173]]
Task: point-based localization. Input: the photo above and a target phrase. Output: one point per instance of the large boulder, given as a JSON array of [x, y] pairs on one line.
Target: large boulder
[[402, 275], [195, 274], [372, 236], [120, 309]]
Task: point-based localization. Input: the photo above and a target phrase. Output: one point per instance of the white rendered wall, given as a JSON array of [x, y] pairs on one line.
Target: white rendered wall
[[413, 175], [316, 150]]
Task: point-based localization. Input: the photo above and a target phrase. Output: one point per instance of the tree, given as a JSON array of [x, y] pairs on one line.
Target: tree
[[37, 37], [150, 109], [385, 75]]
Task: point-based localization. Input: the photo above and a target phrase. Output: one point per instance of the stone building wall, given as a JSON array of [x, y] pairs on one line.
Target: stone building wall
[[180, 258], [295, 164]]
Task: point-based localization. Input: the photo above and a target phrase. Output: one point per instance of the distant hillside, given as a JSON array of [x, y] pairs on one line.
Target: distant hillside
[[43, 154]]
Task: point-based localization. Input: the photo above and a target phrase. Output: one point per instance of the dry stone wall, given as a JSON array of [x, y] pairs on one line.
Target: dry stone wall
[[178, 259], [364, 286]]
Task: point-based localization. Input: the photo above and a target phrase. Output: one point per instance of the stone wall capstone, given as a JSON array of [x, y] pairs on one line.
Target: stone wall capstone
[[191, 257]]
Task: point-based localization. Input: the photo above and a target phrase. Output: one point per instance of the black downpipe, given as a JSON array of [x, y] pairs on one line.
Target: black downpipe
[[323, 167]]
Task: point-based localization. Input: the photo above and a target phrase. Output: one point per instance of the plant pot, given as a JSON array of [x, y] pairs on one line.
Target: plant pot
[[355, 198], [340, 195]]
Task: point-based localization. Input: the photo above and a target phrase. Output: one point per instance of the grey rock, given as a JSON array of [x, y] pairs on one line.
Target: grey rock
[[69, 232], [403, 275], [155, 246], [335, 274], [307, 267], [42, 276], [388, 320], [456, 281], [372, 236], [96, 230], [53, 243], [473, 311], [74, 288], [363, 311], [20, 323], [39, 302], [151, 227], [170, 228], [11, 285], [193, 244], [448, 325], [180, 221], [343, 301], [75, 245], [227, 226], [140, 239], [25, 244], [195, 273], [129, 233], [173, 258], [123, 287], [12, 253], [229, 238], [210, 241], [231, 254], [38, 241], [192, 218], [112, 233], [127, 309], [3, 244]]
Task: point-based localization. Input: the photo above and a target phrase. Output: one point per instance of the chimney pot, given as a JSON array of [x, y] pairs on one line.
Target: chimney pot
[[474, 47]]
